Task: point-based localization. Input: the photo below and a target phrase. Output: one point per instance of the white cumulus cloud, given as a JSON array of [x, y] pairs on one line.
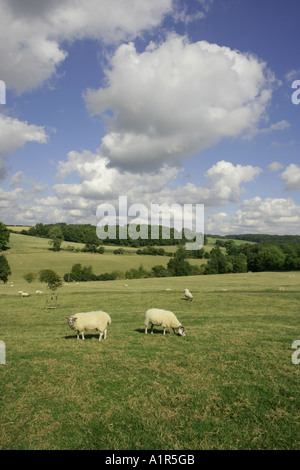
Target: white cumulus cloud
[[31, 32], [14, 134], [291, 177], [176, 99], [257, 215]]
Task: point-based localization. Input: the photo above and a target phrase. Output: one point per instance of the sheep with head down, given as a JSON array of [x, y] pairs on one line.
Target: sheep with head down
[[90, 321], [164, 318], [188, 295]]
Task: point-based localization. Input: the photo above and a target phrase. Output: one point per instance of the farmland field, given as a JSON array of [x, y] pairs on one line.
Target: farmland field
[[229, 384]]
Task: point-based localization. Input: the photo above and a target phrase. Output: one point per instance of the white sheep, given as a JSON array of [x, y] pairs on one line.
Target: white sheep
[[90, 321], [38, 292], [188, 294], [24, 294], [164, 318]]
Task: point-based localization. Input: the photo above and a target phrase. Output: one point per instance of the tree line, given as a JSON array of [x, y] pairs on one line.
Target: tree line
[[261, 238], [256, 258], [177, 266], [86, 233]]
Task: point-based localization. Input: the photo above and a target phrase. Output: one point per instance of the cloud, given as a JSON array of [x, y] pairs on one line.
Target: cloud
[[187, 12], [3, 168], [31, 32], [277, 126], [16, 204], [292, 75], [98, 183], [98, 180], [291, 177], [17, 179], [275, 166], [280, 144], [14, 134], [226, 180], [176, 99], [273, 216]]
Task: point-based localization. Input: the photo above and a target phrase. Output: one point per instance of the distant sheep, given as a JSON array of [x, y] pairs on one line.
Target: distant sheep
[[188, 294], [24, 294], [38, 292], [90, 321], [164, 318]]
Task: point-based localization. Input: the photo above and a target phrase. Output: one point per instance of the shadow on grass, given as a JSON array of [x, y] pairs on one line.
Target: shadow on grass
[[86, 337], [155, 331]]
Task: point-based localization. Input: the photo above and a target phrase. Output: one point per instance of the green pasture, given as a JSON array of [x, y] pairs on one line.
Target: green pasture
[[229, 384], [212, 241], [32, 254]]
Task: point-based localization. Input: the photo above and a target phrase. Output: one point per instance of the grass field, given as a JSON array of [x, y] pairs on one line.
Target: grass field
[[229, 384], [31, 254]]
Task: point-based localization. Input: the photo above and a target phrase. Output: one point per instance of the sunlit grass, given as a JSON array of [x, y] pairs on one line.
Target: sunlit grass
[[229, 384]]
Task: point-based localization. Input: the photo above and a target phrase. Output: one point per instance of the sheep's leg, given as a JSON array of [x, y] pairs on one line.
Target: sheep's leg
[[164, 332], [105, 333], [146, 329], [100, 336], [77, 334], [151, 328], [82, 334]]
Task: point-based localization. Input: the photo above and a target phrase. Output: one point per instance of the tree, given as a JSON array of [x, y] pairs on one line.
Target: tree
[[218, 263], [30, 277], [4, 236], [52, 279], [263, 257], [178, 265], [231, 247], [76, 273], [92, 242], [4, 269], [56, 237], [160, 271], [239, 263]]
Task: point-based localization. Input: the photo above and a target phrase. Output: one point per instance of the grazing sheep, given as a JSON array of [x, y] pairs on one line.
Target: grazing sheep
[[164, 318], [24, 294], [188, 294], [38, 292], [90, 321]]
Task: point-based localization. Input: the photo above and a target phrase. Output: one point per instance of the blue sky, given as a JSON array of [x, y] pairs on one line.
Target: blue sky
[[184, 101]]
